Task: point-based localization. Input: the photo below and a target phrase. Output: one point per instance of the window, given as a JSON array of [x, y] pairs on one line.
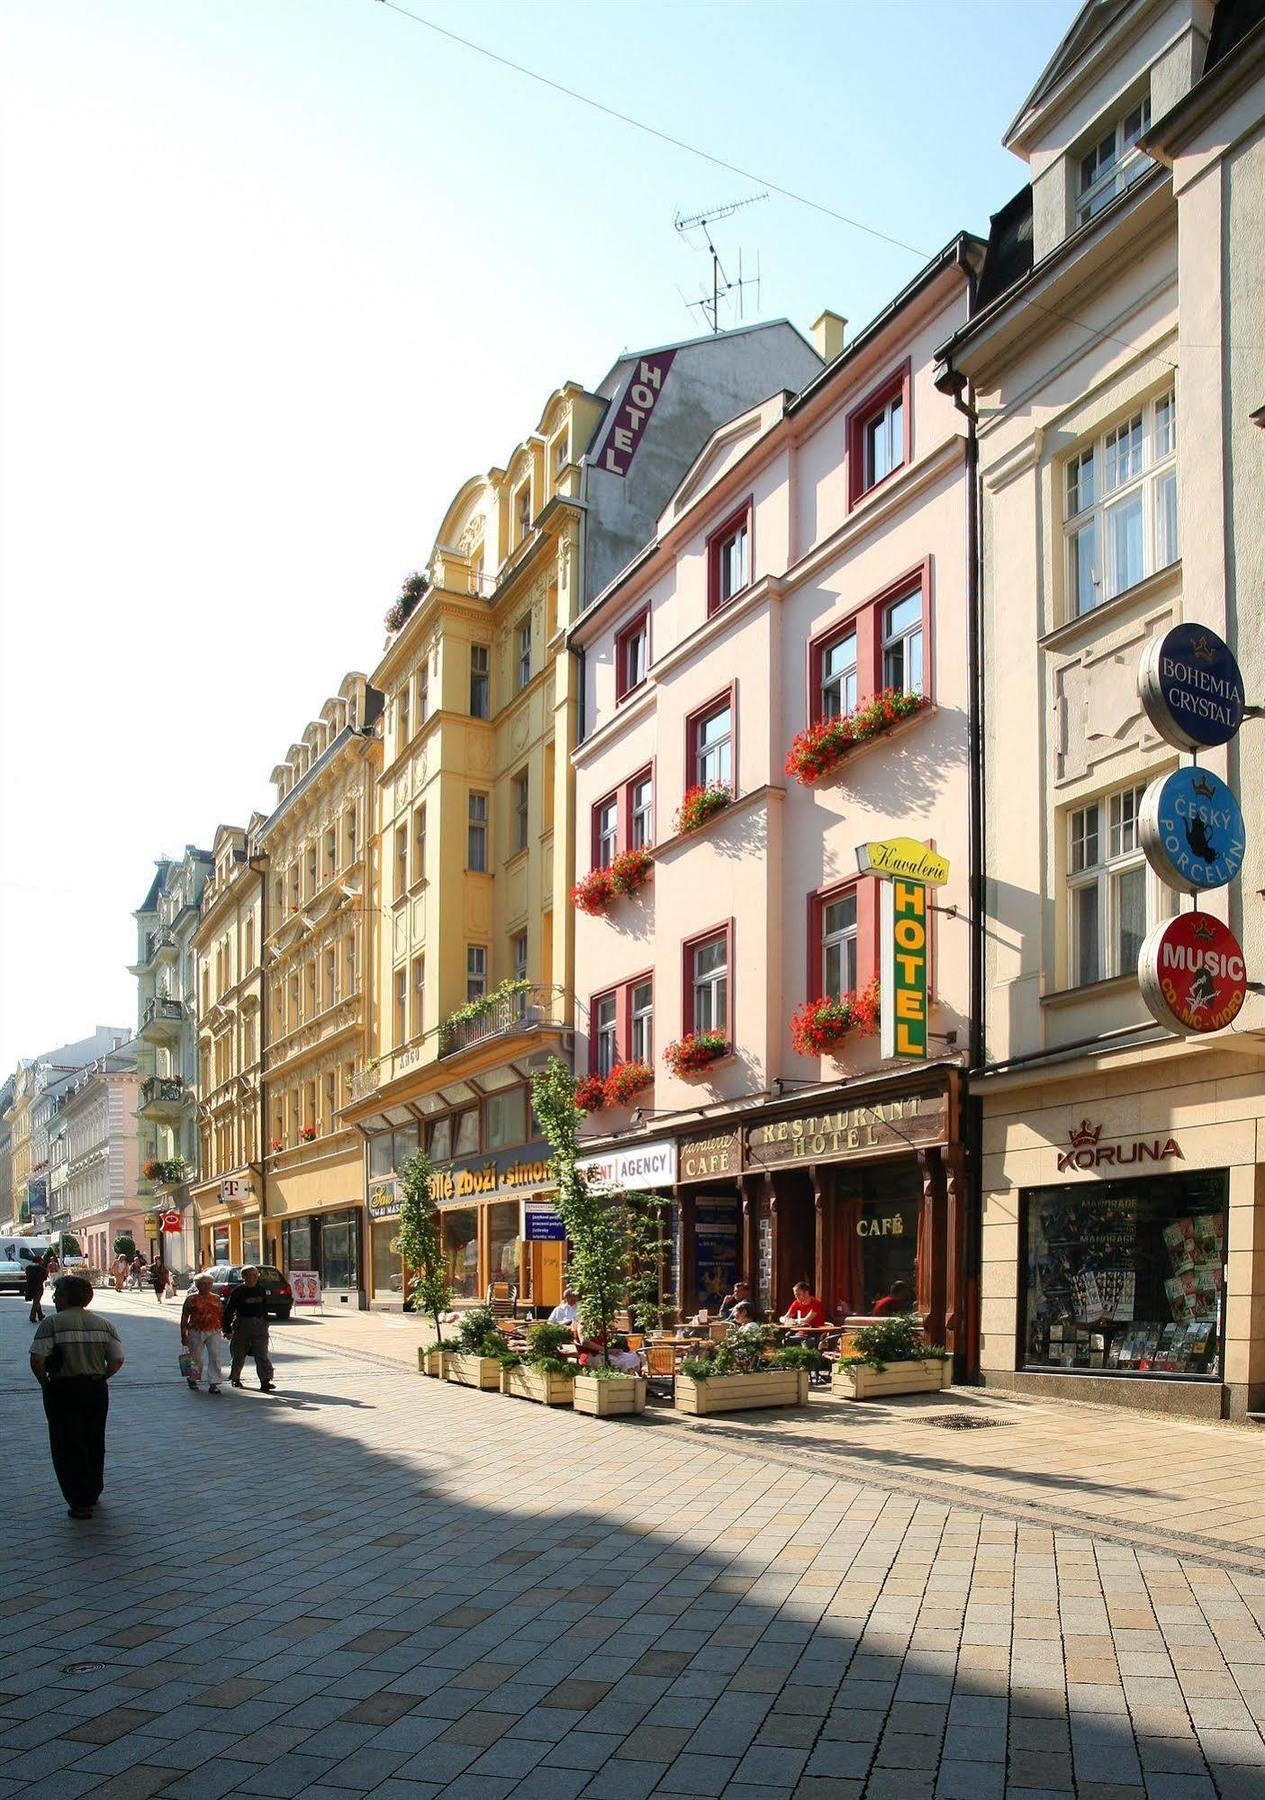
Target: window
[[605, 832], [632, 655], [522, 503], [902, 644], [331, 976], [710, 749], [883, 440], [708, 965], [1113, 900], [331, 856], [419, 843], [1121, 506], [248, 1045], [439, 1140], [404, 723], [331, 1099], [879, 434], [561, 454], [349, 964], [480, 682], [401, 861], [311, 870], [1111, 164], [401, 1005], [295, 1016], [467, 1133], [476, 971], [729, 558], [605, 1034], [349, 838], [518, 947], [520, 794], [419, 997], [523, 641], [641, 1022], [837, 677], [506, 1118], [641, 812], [839, 944], [423, 690], [477, 833]]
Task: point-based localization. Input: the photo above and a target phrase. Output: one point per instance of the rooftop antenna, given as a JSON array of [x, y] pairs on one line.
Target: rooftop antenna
[[722, 286]]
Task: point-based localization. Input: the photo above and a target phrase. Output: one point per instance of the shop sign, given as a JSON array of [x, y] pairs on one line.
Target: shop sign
[[170, 1221], [894, 1226], [1190, 686], [849, 1131], [541, 1224], [1087, 1152], [631, 416], [636, 1169], [305, 1287], [903, 856], [384, 1198], [1192, 830], [489, 1177], [232, 1189], [715, 1251], [718, 1155], [903, 971], [1192, 973]]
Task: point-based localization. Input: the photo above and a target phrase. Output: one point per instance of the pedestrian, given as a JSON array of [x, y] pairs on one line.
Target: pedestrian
[[33, 1287], [158, 1278], [201, 1333], [121, 1270], [138, 1270], [246, 1317], [73, 1355]]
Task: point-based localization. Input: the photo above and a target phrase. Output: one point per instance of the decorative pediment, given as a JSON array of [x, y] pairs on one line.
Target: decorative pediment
[[717, 457]]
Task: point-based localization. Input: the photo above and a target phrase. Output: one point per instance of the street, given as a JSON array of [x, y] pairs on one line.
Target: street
[[375, 1583]]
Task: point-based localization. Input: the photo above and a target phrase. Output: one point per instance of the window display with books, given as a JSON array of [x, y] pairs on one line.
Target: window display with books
[[1126, 1277]]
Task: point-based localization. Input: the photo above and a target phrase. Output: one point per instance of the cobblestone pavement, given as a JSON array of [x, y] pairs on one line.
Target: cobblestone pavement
[[374, 1583]]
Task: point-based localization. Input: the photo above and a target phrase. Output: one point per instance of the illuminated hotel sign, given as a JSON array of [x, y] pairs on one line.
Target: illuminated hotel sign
[[903, 971], [630, 417]]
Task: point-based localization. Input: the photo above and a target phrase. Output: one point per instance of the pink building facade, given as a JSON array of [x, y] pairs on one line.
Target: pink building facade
[[814, 557]]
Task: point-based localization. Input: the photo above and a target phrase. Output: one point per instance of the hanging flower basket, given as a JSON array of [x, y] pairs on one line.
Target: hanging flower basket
[[702, 803], [307, 1133], [413, 589], [817, 749], [630, 870], [594, 893], [626, 1080], [696, 1051], [590, 1093], [818, 1026]]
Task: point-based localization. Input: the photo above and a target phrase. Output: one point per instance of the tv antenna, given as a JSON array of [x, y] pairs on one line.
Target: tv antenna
[[722, 285]]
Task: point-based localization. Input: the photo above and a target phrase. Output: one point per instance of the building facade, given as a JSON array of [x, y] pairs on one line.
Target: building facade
[[1124, 1201], [318, 849], [96, 1121], [228, 944], [811, 559], [475, 935]]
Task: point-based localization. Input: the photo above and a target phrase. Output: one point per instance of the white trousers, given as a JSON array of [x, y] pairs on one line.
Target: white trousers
[[213, 1344]]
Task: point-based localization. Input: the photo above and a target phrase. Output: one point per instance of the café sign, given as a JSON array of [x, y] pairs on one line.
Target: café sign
[[718, 1154], [857, 1130], [637, 1168]]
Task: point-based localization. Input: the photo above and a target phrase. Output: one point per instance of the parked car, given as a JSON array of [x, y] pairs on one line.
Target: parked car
[[226, 1276], [16, 1254]]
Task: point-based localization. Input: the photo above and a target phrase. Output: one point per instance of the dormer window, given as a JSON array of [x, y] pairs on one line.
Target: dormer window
[[1112, 163]]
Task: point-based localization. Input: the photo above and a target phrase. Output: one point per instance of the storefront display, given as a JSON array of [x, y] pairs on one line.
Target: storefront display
[[1127, 1276], [459, 1241], [251, 1251], [504, 1242]]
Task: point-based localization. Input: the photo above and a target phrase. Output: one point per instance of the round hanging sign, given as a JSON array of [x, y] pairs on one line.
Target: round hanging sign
[[1190, 686], [1192, 830], [1192, 973], [171, 1221]]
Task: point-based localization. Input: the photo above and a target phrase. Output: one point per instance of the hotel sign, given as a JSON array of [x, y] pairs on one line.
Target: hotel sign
[[717, 1155], [630, 417], [504, 1175], [903, 971], [849, 1131], [903, 856]]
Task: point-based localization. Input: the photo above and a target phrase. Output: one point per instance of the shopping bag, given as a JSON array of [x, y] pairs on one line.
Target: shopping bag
[[186, 1364]]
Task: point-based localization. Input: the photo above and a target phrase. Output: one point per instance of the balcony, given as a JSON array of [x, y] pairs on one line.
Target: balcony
[[504, 1013], [162, 1020], [163, 1097]]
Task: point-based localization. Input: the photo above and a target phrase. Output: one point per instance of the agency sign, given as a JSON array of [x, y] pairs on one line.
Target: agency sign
[[1192, 830], [638, 1168], [1192, 973], [1190, 686]]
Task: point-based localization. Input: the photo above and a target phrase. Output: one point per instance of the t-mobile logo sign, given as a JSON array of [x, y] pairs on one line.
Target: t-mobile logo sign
[[628, 421]]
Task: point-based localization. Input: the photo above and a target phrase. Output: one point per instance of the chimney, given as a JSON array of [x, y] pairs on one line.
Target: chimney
[[828, 330]]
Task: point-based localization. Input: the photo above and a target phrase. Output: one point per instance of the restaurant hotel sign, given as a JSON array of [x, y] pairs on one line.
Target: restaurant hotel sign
[[857, 1130], [630, 417]]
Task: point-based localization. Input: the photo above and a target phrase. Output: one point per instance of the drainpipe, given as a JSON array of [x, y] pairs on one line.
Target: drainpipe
[[258, 865]]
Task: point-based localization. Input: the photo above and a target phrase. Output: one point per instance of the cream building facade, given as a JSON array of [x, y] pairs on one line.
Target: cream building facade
[[96, 1121]]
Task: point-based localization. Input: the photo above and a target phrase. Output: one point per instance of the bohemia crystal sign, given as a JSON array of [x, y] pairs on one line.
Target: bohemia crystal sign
[[1192, 830], [1192, 973], [1190, 685]]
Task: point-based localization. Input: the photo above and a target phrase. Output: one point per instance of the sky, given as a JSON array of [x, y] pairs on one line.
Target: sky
[[278, 276]]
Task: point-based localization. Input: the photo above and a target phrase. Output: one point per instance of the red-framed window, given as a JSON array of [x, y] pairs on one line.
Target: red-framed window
[[843, 942], [880, 434], [711, 741], [632, 654], [623, 819], [621, 1024], [884, 642], [606, 830], [707, 967], [730, 556]]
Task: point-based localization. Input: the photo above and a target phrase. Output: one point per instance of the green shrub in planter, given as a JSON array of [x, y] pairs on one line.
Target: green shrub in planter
[[797, 1356], [477, 1334], [897, 1339]]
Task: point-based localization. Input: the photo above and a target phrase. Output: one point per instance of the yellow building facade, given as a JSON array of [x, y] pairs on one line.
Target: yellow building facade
[[318, 848], [228, 976]]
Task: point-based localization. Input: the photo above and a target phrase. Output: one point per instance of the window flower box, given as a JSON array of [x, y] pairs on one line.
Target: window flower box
[[820, 747], [626, 1080], [819, 1026], [433, 1359], [544, 1386], [701, 803], [741, 1393], [609, 1396], [307, 1134], [594, 893], [695, 1052], [630, 871], [277, 1144], [482, 1372], [590, 1093], [861, 1381]]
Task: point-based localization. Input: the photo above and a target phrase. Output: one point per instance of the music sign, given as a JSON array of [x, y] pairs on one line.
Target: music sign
[[1192, 973]]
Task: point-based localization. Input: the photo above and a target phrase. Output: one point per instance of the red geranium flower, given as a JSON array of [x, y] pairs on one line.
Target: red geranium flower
[[590, 1093], [697, 1050], [594, 893], [701, 803], [626, 1080], [815, 750], [818, 1026]]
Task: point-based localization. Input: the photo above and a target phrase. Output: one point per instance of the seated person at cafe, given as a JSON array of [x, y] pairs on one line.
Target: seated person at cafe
[[567, 1310], [805, 1308], [897, 1299], [742, 1318], [619, 1356], [739, 1295]]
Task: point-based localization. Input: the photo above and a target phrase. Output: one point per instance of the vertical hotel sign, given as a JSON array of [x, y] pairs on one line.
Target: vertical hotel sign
[[907, 869], [631, 415]]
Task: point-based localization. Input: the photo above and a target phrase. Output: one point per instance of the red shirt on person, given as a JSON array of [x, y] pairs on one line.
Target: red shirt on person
[[807, 1312]]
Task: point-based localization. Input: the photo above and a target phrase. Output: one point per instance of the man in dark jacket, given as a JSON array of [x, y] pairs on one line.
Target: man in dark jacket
[[246, 1320]]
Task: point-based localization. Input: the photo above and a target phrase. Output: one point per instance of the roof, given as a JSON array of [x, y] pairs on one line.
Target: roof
[[1009, 255], [1094, 18], [1231, 23], [607, 386]]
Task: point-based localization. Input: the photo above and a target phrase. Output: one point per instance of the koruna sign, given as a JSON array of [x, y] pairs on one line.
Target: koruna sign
[[628, 421], [1190, 685], [1192, 973], [1192, 830], [1090, 1153]]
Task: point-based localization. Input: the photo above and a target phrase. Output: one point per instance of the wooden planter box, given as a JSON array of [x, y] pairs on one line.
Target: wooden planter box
[[433, 1359], [860, 1382], [474, 1371], [535, 1384], [607, 1399], [736, 1393]]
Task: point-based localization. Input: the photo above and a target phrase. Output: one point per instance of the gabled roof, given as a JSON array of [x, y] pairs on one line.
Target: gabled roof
[[1094, 18], [1009, 255]]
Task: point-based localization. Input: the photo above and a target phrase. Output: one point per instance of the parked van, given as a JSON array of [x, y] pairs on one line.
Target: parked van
[[15, 1254]]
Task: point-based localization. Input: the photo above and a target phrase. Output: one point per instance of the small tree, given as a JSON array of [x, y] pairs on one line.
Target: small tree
[[430, 1290], [125, 1245], [643, 1217]]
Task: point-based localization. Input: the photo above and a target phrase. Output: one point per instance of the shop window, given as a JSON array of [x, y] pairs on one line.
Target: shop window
[[707, 967], [605, 1034], [1113, 899], [632, 654], [709, 744], [506, 1118], [480, 682], [1120, 506], [729, 560], [403, 1145], [459, 1243], [879, 434], [641, 1021], [439, 1139], [467, 1140], [504, 1245], [476, 971], [1113, 161], [1125, 1277], [388, 1270], [340, 1252], [477, 833]]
